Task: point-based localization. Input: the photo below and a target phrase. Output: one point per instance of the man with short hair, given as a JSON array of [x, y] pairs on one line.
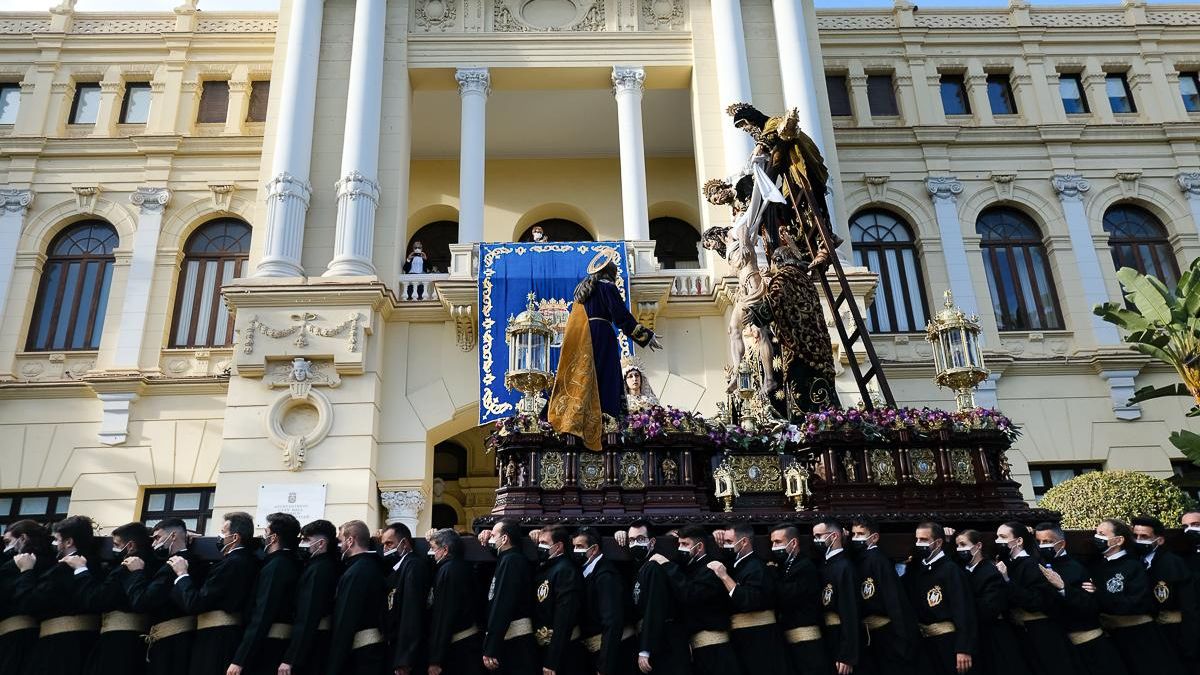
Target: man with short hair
[[24, 537], [941, 594], [508, 642], [1173, 589], [308, 650], [269, 617], [751, 588], [558, 603], [218, 602], [1190, 522], [407, 595], [704, 603], [798, 598], [606, 637], [662, 639], [889, 628], [120, 647], [356, 645], [839, 597], [455, 643]]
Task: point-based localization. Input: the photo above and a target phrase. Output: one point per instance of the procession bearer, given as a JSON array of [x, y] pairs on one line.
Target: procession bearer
[[941, 595]]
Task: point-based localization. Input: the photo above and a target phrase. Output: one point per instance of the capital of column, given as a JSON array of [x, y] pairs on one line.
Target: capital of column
[[628, 79], [403, 505], [286, 187], [354, 185], [15, 201], [150, 199], [1070, 186], [943, 189], [473, 81], [1189, 182]]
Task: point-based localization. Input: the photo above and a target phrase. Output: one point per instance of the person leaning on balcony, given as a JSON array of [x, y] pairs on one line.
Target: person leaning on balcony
[[269, 617], [1032, 601], [356, 645], [415, 262], [941, 596], [219, 601], [308, 650], [66, 634]]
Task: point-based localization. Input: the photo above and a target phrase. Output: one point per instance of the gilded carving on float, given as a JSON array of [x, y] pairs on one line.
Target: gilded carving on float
[[756, 473], [883, 468], [591, 470], [962, 468], [924, 470], [632, 471], [553, 476]]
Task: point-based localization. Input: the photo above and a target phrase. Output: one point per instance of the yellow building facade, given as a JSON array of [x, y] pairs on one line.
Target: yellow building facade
[[152, 163]]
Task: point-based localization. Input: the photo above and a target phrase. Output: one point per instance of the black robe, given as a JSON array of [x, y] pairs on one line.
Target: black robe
[[274, 602], [798, 597], [1174, 591], [891, 649], [16, 648], [603, 616], [941, 592], [149, 592], [759, 648], [116, 651], [705, 606], [49, 595], [1079, 614], [839, 597], [999, 652], [358, 605], [558, 591], [226, 588], [510, 598], [1123, 590], [308, 651], [1190, 627], [1048, 651], [662, 636], [452, 610], [404, 620]]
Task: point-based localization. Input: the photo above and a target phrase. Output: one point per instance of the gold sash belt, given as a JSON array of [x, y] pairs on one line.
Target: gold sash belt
[[1084, 636], [217, 619], [79, 623], [518, 628], [708, 638], [326, 623], [832, 619], [545, 634], [876, 621], [752, 619], [464, 634], [366, 637], [936, 629], [1111, 621], [170, 628], [1169, 616], [111, 622], [1021, 616], [280, 631], [592, 644], [803, 634], [15, 623]]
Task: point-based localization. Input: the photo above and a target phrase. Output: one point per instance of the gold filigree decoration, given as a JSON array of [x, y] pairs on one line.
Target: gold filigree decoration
[[553, 477], [924, 469], [961, 466], [756, 473], [883, 468], [632, 470], [591, 470]]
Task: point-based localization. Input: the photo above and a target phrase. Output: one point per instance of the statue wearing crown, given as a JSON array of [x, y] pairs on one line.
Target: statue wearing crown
[[588, 384], [639, 395]]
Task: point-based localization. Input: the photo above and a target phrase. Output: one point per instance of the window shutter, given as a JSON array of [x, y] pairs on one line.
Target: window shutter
[[260, 93], [214, 102]]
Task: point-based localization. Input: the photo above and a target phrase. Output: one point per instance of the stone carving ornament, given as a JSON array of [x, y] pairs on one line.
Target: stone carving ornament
[[521, 16], [301, 417], [436, 14]]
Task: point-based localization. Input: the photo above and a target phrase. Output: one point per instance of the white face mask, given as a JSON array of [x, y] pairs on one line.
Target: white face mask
[[10, 548], [777, 549], [1001, 542], [390, 551], [118, 550]]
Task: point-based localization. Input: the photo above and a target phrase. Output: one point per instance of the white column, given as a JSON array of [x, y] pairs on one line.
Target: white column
[[358, 189], [135, 305], [474, 85], [733, 78], [288, 190], [1189, 182], [628, 83], [13, 206], [404, 506], [1070, 189], [944, 191]]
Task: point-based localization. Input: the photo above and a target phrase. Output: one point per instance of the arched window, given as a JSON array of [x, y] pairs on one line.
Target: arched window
[[435, 239], [884, 244], [444, 516], [1018, 271], [214, 255], [449, 461], [676, 244], [558, 229], [1139, 240], [73, 293]]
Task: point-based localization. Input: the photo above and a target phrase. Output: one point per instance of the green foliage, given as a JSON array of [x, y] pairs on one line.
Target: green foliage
[[1086, 500], [1188, 443]]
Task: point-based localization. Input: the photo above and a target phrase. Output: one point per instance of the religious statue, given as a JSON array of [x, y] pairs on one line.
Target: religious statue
[[670, 471], [588, 383], [510, 473], [638, 393], [776, 202]]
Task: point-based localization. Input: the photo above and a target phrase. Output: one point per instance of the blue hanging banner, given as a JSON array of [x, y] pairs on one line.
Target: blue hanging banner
[[508, 272]]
